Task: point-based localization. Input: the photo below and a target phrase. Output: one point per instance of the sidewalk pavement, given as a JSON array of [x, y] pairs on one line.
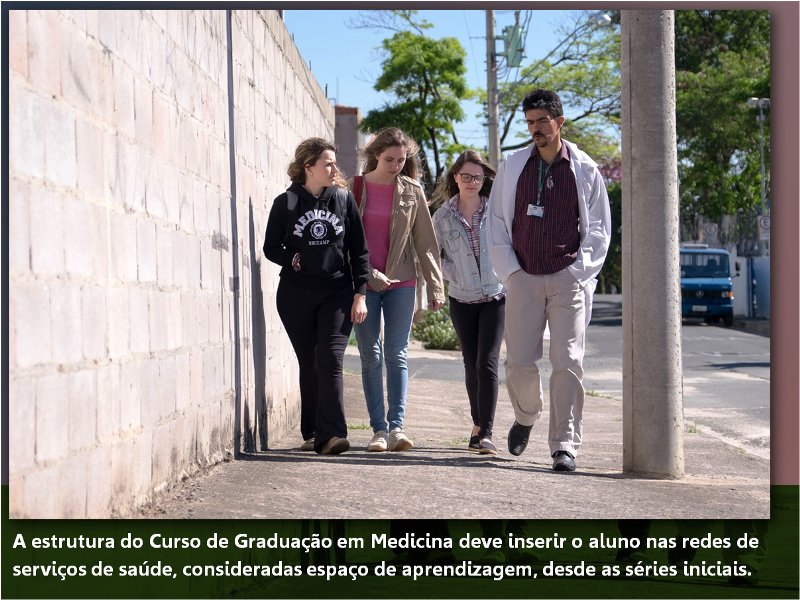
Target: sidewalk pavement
[[440, 479], [759, 326]]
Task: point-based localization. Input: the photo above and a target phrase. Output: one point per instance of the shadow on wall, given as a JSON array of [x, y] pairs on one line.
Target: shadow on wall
[[259, 346], [237, 376]]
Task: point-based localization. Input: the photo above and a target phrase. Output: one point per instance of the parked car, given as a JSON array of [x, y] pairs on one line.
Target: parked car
[[706, 285]]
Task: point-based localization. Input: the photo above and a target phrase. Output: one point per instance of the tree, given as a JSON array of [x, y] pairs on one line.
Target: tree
[[426, 77], [721, 60], [611, 273], [584, 69]]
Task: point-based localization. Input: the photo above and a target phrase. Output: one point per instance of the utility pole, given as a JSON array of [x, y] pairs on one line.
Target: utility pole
[[493, 110], [761, 103], [652, 371]]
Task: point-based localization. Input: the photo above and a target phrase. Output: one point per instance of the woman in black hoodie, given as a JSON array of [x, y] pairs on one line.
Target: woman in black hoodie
[[315, 233]]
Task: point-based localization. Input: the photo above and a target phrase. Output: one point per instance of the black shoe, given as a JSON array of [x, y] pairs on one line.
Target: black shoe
[[563, 461], [679, 555], [750, 578], [474, 444], [518, 437], [487, 447]]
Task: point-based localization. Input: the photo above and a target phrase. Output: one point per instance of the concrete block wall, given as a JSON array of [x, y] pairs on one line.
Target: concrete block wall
[[124, 326]]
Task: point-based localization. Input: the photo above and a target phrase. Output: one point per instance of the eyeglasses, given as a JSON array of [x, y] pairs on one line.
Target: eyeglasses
[[466, 178]]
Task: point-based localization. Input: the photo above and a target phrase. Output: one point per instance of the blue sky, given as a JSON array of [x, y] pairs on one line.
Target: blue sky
[[344, 58]]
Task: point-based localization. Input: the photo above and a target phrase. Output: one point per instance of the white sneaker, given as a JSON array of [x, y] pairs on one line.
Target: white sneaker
[[378, 442], [398, 441]]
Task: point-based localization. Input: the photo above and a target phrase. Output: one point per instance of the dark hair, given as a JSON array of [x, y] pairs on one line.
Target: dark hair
[[308, 153], [387, 138], [447, 187], [541, 98]]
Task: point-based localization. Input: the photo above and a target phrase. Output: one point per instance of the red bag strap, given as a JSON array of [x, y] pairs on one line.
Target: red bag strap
[[358, 188]]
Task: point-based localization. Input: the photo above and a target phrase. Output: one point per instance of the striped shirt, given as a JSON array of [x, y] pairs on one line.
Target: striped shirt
[[473, 231], [549, 243]]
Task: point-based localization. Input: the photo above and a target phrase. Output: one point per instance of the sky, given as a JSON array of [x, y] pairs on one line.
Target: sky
[[345, 58]]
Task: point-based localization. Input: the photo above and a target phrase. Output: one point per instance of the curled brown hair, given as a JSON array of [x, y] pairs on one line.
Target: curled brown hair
[[308, 153], [387, 138], [448, 187]]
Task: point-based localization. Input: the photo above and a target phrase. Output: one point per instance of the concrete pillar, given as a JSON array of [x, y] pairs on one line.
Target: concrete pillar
[[651, 296]]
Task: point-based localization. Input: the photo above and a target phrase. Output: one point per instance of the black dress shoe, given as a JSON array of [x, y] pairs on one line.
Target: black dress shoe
[[474, 444], [563, 461], [518, 437]]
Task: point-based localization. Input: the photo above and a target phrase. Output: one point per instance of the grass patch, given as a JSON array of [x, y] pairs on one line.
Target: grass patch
[[691, 428], [351, 371], [595, 394], [741, 451], [457, 442], [618, 419], [359, 426], [352, 341]]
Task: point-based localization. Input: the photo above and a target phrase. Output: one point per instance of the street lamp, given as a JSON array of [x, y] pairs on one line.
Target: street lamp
[[761, 104], [603, 20]]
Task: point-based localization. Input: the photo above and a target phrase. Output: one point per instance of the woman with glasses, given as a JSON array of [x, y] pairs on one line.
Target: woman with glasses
[[477, 297], [398, 226]]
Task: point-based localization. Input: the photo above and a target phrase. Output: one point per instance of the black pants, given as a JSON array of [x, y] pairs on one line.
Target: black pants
[[318, 324], [479, 328]]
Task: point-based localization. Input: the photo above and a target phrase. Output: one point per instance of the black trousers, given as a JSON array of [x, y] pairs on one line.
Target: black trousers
[[479, 328], [318, 324]]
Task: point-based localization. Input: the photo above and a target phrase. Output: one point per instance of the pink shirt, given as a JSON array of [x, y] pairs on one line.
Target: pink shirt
[[377, 219]]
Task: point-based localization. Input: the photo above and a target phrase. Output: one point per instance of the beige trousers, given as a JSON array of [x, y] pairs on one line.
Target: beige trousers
[[531, 301]]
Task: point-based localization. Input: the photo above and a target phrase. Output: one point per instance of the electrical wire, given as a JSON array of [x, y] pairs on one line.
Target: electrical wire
[[472, 47]]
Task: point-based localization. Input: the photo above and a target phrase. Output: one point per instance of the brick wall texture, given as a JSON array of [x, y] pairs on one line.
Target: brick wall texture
[[144, 339]]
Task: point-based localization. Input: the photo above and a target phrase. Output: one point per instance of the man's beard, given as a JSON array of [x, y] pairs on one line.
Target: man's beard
[[540, 141]]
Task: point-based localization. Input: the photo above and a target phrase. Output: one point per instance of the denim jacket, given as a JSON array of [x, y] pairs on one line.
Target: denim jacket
[[459, 266]]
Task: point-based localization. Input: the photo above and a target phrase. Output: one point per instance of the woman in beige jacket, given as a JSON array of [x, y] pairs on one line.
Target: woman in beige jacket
[[397, 226]]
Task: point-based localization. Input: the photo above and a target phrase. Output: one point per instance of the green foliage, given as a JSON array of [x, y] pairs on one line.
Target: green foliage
[[426, 78], [584, 69], [611, 273], [435, 331], [722, 59]]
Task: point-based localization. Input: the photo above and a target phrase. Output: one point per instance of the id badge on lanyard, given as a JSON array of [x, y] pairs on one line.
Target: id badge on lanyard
[[537, 210]]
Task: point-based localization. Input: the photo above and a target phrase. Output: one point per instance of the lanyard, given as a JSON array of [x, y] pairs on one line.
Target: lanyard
[[541, 179]]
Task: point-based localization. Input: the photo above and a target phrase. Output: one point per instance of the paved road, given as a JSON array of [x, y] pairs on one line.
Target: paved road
[[726, 373]]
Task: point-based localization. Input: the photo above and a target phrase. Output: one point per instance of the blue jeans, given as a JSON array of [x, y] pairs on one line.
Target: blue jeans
[[398, 312]]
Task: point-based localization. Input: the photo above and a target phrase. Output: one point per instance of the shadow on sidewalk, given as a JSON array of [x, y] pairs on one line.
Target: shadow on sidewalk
[[421, 460]]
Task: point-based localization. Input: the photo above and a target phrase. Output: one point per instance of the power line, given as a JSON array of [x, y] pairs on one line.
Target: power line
[[472, 47]]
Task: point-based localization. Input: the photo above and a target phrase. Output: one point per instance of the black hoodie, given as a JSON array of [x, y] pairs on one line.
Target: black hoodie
[[330, 240]]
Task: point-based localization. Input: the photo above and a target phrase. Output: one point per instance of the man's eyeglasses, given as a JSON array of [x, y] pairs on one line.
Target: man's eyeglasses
[[466, 178]]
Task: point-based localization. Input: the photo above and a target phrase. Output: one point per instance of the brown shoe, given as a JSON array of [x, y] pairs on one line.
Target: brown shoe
[[335, 445], [308, 445]]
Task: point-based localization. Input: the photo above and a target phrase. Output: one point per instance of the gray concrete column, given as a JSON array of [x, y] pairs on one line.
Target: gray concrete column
[[651, 292]]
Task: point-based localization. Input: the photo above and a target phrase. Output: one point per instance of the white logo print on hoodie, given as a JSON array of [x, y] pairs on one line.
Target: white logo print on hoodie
[[317, 215]]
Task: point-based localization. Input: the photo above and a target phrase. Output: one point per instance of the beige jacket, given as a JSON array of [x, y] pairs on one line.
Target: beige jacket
[[410, 231]]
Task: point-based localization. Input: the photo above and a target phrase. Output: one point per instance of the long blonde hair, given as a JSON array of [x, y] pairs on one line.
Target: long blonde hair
[[308, 153], [387, 138]]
